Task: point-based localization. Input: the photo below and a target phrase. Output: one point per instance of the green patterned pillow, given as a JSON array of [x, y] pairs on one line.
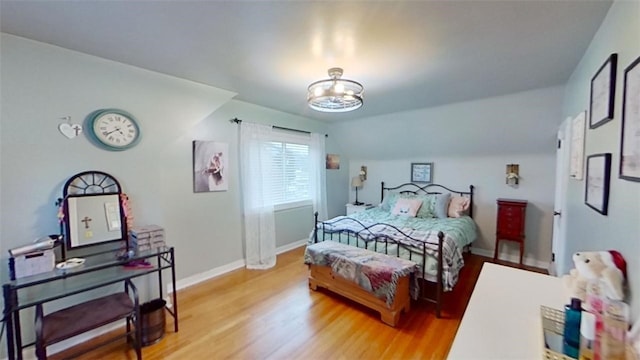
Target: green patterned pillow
[[389, 201], [434, 205], [427, 210]]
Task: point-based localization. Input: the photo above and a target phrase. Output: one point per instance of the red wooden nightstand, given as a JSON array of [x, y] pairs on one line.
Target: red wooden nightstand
[[510, 223]]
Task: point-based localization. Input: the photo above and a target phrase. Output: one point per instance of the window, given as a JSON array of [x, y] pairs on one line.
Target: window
[[290, 166]]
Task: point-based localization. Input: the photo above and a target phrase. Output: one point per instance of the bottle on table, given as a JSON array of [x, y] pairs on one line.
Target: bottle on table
[[571, 340]]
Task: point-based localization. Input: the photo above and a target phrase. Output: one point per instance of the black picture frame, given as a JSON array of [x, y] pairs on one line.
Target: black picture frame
[[598, 179], [602, 95], [422, 173], [630, 140]]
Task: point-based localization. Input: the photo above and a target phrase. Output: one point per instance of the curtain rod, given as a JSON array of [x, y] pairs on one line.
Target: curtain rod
[[238, 121]]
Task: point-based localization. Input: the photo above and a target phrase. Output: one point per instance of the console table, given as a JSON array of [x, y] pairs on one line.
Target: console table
[[502, 319], [96, 272]]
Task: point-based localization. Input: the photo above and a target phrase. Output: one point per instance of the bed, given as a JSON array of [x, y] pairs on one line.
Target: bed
[[433, 236]]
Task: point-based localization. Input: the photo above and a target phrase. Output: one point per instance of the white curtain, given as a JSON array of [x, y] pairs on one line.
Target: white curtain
[[255, 169], [318, 175]]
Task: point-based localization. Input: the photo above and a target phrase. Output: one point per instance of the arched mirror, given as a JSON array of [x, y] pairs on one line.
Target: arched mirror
[[93, 210]]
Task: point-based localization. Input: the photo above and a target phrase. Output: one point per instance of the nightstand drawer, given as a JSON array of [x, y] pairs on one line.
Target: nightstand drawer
[[510, 221], [510, 231]]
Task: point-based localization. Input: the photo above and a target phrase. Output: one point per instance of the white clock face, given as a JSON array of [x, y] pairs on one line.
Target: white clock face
[[115, 130]]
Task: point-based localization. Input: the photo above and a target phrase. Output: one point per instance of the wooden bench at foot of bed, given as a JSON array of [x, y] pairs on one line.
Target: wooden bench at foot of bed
[[322, 258], [321, 276]]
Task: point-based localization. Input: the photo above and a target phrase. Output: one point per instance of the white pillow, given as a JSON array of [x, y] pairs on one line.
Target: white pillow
[[407, 207]]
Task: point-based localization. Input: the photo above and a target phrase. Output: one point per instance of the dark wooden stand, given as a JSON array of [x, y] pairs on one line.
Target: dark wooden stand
[[34, 291], [510, 223]]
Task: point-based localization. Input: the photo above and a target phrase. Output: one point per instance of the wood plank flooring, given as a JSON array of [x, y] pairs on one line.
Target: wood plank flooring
[[272, 314]]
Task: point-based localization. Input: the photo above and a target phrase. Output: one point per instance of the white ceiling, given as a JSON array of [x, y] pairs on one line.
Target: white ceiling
[[407, 54]]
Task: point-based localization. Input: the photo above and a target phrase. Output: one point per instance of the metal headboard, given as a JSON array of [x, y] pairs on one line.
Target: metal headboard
[[418, 189]]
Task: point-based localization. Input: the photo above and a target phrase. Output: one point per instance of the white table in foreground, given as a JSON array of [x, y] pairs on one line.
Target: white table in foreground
[[502, 319]]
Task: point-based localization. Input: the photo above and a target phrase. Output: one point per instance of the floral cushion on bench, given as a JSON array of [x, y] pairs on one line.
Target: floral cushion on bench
[[374, 272]]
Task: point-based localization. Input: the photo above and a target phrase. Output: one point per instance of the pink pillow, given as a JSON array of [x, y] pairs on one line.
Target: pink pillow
[[407, 207], [458, 206]]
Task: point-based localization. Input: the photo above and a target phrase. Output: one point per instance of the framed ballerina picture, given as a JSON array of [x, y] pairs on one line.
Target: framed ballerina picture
[[210, 166]]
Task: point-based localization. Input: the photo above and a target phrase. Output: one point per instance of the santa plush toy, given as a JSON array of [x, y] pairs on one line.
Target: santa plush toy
[[607, 266]]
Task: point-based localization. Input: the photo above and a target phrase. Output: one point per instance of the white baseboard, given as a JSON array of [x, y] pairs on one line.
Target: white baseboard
[[291, 246], [203, 276], [209, 274], [529, 261], [29, 352]]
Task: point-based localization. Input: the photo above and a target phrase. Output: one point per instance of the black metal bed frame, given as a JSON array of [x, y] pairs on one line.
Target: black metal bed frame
[[369, 238]]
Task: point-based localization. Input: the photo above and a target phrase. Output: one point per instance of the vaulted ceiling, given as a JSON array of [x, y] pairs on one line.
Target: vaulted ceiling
[[407, 54]]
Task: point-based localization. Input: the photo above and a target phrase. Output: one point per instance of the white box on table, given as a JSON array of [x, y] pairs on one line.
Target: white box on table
[[32, 263]]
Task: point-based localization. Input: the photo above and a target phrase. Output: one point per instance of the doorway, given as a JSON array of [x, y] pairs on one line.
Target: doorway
[[558, 240]]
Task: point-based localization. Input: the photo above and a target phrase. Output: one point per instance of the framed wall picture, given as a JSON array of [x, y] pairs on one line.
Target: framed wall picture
[[630, 142], [332, 162], [421, 172], [596, 194], [603, 88], [210, 166], [578, 125]]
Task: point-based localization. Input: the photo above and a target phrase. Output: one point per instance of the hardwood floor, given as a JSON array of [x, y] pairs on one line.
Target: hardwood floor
[[272, 314]]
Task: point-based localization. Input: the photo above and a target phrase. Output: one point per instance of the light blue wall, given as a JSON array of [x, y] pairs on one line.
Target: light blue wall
[[469, 143], [620, 229], [41, 83], [292, 224]]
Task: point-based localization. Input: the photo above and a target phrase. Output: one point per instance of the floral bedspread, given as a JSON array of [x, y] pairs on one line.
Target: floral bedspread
[[376, 222], [374, 272]]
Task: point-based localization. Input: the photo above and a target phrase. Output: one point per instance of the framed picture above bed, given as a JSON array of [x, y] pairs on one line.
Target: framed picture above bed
[[422, 172], [596, 194]]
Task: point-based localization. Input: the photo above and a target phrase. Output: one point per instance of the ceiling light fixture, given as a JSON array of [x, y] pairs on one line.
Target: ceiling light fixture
[[335, 94]]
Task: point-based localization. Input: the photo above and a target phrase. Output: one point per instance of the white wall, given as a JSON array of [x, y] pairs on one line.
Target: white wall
[[41, 83], [620, 229], [469, 143]]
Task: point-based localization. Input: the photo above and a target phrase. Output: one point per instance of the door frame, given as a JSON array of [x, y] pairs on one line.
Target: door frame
[[563, 158]]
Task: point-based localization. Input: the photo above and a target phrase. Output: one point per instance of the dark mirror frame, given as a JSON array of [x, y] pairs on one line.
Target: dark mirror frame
[[90, 183]]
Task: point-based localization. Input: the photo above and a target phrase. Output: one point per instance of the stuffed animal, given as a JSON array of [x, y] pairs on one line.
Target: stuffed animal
[[607, 266]]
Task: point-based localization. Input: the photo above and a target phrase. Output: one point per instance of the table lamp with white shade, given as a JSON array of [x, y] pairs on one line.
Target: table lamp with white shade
[[356, 182]]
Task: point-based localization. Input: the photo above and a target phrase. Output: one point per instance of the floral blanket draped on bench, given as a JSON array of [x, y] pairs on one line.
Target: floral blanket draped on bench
[[374, 272]]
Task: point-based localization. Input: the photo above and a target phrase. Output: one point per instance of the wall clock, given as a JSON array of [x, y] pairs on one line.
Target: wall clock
[[113, 129]]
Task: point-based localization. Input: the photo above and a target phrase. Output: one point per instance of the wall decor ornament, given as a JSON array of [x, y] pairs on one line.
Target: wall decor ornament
[[421, 172], [513, 175], [630, 136], [210, 171], [68, 129], [603, 88], [596, 194]]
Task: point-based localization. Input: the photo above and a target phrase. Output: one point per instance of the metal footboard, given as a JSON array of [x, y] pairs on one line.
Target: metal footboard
[[364, 237]]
